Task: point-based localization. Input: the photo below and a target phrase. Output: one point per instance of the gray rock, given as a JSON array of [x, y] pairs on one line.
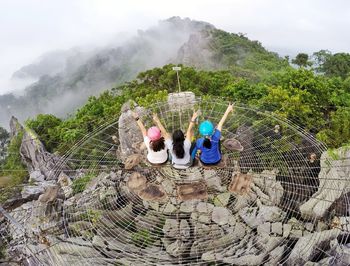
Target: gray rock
[[239, 231], [15, 127], [36, 158], [309, 226], [243, 201], [271, 188], [104, 193], [169, 208], [209, 256], [115, 177], [253, 216], [184, 230], [204, 218], [321, 226], [36, 176], [188, 206], [276, 255], [307, 246], [130, 136], [176, 248], [222, 199], [264, 228], [341, 254], [277, 228], [334, 182], [296, 233], [168, 186], [68, 192], [204, 207], [286, 230], [213, 180], [345, 223], [232, 220], [32, 191], [154, 205], [194, 216], [171, 228], [182, 100], [96, 181], [197, 51], [220, 215], [296, 224]]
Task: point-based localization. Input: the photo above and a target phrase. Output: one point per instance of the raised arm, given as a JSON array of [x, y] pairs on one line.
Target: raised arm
[[156, 120], [140, 124], [224, 117], [190, 126]]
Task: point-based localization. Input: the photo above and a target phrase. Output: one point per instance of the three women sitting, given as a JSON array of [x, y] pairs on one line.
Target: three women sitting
[[158, 142]]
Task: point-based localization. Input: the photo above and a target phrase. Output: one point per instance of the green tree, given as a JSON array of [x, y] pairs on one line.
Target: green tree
[[337, 65], [337, 131], [45, 126], [4, 139], [319, 58], [302, 60]]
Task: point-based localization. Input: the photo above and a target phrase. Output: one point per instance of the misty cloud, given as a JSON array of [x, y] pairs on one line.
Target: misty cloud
[[30, 28], [67, 78]]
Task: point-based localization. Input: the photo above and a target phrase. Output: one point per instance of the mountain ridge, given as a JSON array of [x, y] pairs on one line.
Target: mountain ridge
[[175, 40]]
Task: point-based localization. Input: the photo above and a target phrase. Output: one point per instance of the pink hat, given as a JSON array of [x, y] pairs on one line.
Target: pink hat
[[153, 133]]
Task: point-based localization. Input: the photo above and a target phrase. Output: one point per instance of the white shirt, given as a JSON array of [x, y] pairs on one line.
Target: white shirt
[[155, 157], [180, 162]]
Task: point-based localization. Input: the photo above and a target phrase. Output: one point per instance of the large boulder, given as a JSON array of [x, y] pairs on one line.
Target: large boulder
[[334, 182], [37, 158], [267, 188], [197, 52], [181, 100], [130, 136], [15, 127], [310, 245]]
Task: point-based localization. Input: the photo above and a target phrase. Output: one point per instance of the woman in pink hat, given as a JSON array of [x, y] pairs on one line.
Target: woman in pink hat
[[157, 152]]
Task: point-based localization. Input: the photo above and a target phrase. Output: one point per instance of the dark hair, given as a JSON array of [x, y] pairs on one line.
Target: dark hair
[[178, 143], [157, 145], [207, 143]]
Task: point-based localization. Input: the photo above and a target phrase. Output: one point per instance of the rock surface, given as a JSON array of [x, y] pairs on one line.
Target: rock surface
[[130, 136], [334, 182], [36, 158]]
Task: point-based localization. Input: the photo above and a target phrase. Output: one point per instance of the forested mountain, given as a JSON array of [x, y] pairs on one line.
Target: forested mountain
[[67, 78], [93, 85]]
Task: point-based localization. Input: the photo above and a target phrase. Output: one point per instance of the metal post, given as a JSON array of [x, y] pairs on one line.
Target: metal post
[[177, 69]]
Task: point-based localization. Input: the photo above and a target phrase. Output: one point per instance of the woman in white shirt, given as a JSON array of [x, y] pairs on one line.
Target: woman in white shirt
[[179, 145], [157, 152]]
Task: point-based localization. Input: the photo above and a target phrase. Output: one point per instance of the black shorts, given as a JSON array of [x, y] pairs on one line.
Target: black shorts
[[210, 163]]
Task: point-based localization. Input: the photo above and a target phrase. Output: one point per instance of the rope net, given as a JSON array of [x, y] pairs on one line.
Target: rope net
[[281, 199]]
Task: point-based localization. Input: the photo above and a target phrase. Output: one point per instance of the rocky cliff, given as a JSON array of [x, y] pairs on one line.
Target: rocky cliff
[[140, 214]]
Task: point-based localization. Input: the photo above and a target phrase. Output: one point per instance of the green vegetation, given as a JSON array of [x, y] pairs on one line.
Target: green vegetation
[[316, 98], [302, 60], [45, 123], [92, 216], [245, 58], [332, 65], [4, 139], [79, 184], [12, 171], [317, 103], [2, 251], [143, 238]]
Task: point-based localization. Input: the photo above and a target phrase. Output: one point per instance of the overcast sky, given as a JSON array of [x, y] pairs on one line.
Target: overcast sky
[[30, 28]]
